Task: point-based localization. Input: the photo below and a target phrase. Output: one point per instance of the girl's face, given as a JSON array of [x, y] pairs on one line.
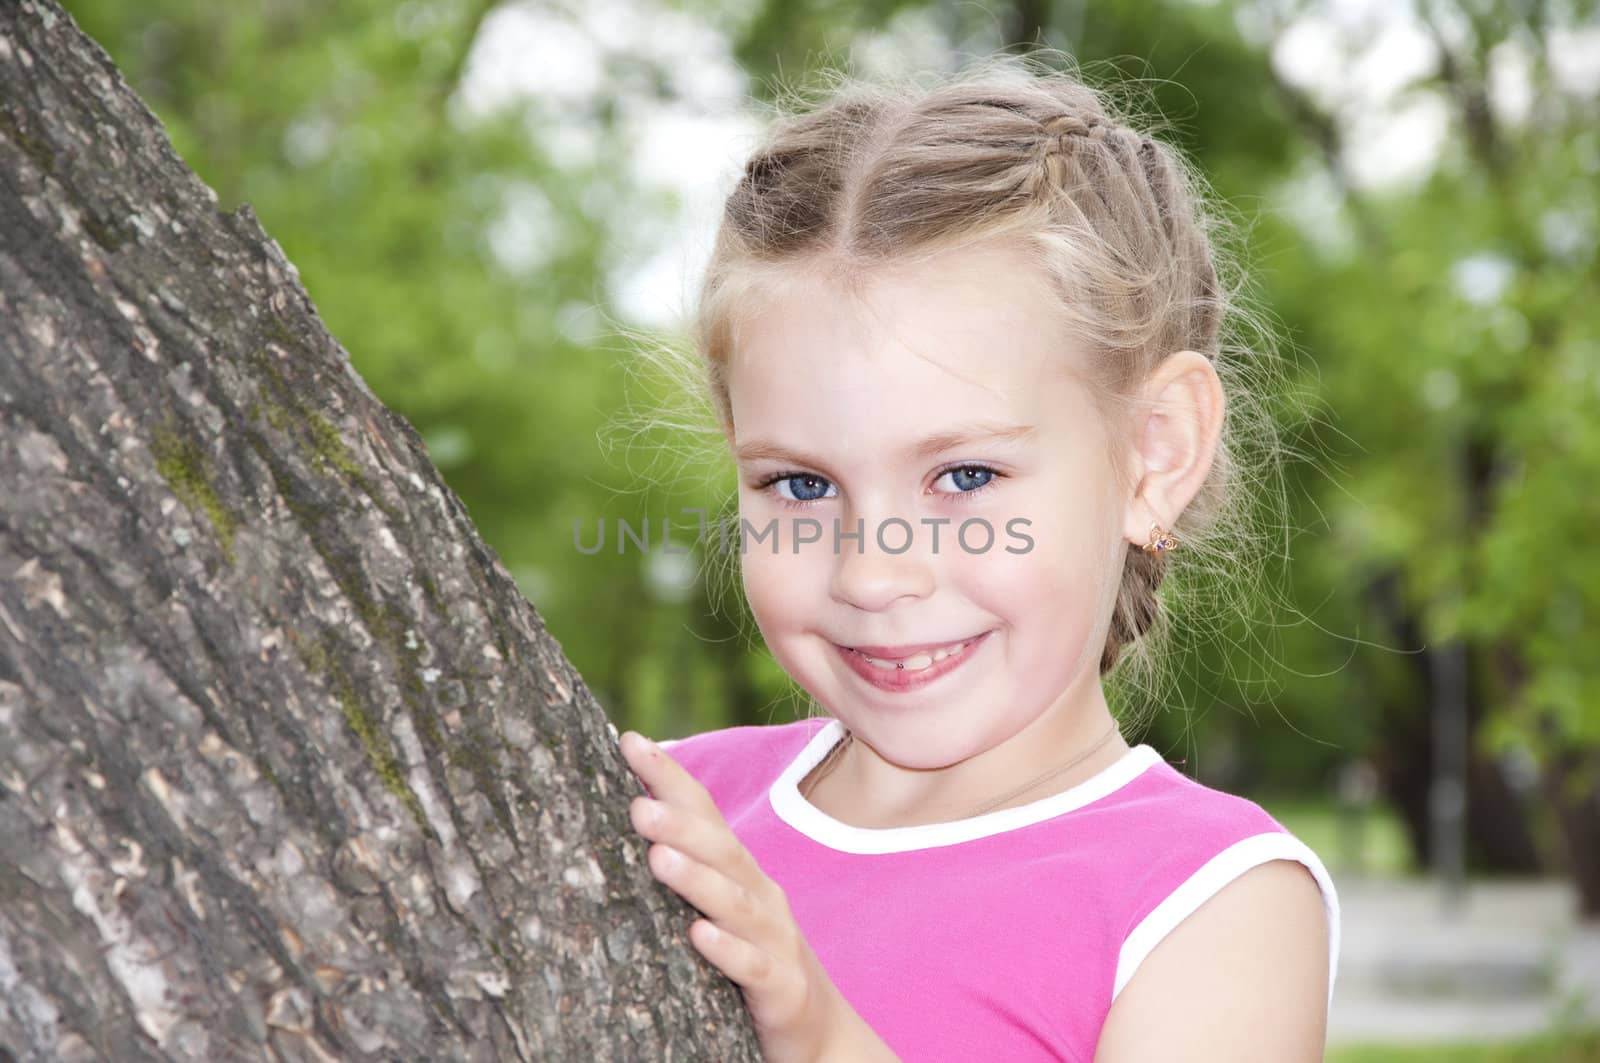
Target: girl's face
[[943, 395]]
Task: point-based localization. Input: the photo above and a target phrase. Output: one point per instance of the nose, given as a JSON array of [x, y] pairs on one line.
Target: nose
[[887, 562]]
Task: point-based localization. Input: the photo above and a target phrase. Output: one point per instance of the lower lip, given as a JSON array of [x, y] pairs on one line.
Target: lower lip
[[898, 680]]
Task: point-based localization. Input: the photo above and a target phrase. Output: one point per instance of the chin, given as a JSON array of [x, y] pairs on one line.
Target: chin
[[909, 745]]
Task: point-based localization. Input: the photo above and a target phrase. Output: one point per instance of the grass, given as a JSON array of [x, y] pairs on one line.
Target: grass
[[1572, 1047]]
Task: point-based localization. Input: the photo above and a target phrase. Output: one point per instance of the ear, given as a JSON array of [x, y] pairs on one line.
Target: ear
[[1175, 434]]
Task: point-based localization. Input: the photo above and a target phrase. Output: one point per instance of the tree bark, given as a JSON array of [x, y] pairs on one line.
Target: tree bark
[[288, 767]]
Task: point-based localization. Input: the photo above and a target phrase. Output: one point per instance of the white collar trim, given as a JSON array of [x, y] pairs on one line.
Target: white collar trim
[[822, 828]]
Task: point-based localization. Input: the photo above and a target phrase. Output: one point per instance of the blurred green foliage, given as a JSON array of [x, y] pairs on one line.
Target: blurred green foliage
[[1371, 844], [1448, 333]]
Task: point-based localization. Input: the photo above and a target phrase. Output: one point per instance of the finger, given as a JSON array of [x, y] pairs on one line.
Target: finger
[[720, 898], [662, 776], [751, 966], [705, 838], [683, 815]]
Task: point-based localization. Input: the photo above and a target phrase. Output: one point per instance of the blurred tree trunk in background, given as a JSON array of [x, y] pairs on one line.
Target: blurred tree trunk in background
[[1499, 838], [288, 766]]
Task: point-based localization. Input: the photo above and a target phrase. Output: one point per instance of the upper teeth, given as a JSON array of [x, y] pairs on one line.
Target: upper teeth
[[920, 661]]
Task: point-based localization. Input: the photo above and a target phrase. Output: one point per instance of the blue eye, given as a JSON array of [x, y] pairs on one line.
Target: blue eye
[[968, 478], [803, 487]]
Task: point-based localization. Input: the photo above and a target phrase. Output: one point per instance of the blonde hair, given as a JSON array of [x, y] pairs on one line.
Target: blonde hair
[[878, 172]]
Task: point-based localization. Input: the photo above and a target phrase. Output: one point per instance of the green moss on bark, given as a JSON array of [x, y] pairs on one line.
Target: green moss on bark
[[107, 232], [379, 753], [183, 465], [322, 661], [307, 428], [328, 446], [33, 146]]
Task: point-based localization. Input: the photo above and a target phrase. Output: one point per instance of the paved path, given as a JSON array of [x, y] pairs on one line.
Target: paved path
[[1509, 964]]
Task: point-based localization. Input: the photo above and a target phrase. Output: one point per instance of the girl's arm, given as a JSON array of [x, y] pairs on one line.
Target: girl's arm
[[749, 933], [1242, 979]]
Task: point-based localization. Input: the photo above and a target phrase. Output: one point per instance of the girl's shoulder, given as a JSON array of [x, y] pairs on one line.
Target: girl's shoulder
[[1194, 839], [1185, 805]]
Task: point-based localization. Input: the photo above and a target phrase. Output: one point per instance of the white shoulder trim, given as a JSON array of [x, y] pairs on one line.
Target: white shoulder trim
[[1217, 872], [808, 819]]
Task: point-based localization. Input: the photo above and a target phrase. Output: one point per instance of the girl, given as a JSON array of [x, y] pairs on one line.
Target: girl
[[965, 345]]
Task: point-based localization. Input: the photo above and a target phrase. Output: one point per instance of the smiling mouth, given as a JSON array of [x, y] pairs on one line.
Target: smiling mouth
[[915, 662], [923, 666]]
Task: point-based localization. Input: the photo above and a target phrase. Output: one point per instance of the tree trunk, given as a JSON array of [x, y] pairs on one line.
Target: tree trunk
[[1572, 781], [288, 767], [1500, 837]]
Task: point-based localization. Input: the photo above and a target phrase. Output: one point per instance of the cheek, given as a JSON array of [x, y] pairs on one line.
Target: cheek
[[780, 592], [1064, 566], [756, 569], [1063, 537]]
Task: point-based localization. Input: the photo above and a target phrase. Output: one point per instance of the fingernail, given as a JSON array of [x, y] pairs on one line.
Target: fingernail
[[650, 811]]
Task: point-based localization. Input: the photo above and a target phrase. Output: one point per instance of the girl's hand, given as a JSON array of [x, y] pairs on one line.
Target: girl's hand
[[749, 933]]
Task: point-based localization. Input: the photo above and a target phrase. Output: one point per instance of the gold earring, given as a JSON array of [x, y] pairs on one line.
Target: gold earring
[[1161, 540]]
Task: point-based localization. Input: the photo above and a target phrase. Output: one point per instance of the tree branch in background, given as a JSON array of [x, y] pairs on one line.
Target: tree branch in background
[[1470, 94], [1322, 130]]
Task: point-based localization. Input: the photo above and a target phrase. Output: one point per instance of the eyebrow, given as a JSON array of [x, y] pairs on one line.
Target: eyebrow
[[759, 449]]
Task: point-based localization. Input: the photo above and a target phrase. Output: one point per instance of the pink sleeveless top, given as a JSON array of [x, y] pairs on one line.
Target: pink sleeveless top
[[1004, 936]]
